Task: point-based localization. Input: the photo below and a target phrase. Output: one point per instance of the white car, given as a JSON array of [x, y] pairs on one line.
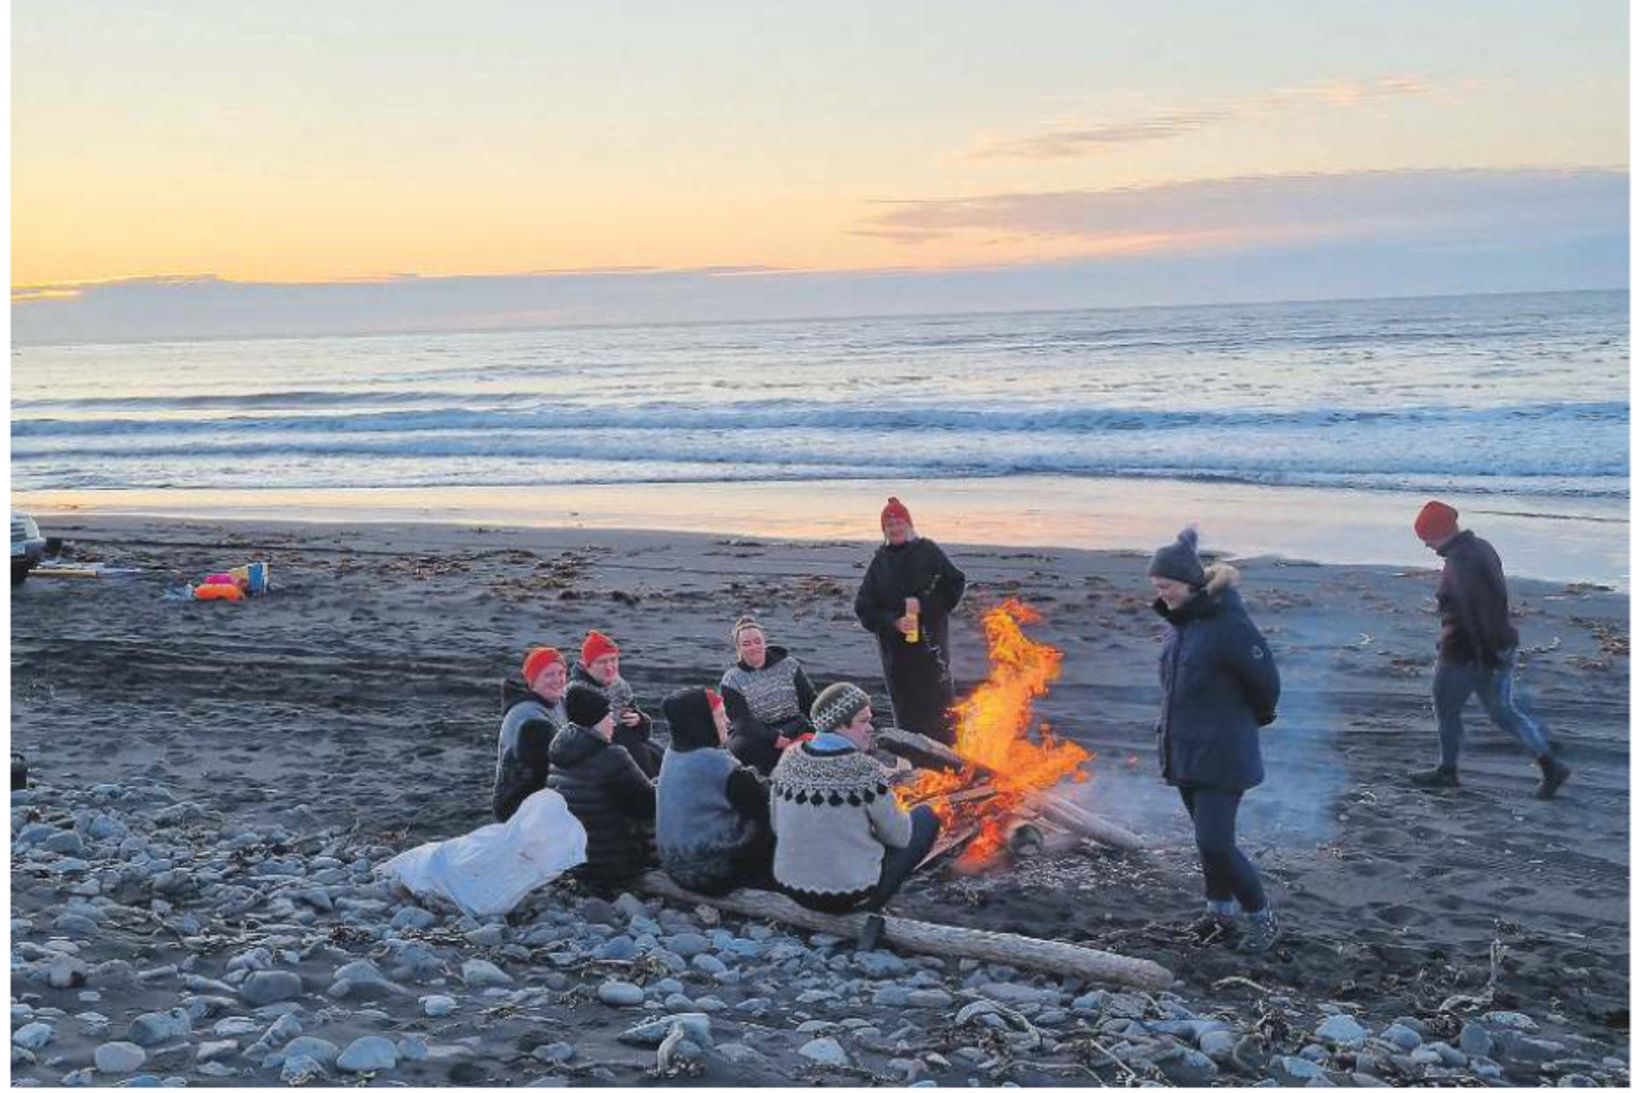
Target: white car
[[28, 546]]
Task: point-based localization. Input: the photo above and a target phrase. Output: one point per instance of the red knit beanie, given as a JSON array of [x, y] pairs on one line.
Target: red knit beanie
[[895, 507], [1436, 522], [597, 645], [537, 660]]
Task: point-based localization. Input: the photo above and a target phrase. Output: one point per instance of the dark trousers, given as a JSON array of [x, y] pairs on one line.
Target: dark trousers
[[1455, 682], [1225, 869]]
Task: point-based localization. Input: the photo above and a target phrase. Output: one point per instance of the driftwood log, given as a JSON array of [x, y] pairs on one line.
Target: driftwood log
[[931, 753], [1058, 957]]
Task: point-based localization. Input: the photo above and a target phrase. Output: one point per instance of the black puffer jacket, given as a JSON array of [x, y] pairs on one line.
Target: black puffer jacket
[[1474, 603], [1219, 685], [523, 754], [918, 673], [607, 792]]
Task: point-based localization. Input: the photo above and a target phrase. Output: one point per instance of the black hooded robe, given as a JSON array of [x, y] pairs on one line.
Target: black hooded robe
[[918, 674]]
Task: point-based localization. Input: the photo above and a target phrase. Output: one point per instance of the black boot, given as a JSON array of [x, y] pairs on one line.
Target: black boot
[[1555, 774], [870, 933], [1437, 778]]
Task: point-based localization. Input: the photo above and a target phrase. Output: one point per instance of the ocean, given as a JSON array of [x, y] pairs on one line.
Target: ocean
[[1519, 394]]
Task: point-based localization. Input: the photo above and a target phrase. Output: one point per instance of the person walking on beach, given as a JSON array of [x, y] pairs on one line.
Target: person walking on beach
[[600, 669], [906, 599], [1219, 687], [768, 696], [842, 841], [711, 812], [605, 790], [1477, 649], [532, 713]]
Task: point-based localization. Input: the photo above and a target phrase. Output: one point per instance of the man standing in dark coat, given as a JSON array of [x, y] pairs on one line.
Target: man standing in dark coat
[[906, 599], [1477, 649]]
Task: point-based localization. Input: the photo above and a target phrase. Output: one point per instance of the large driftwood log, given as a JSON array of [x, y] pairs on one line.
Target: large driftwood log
[[920, 749], [1058, 957]]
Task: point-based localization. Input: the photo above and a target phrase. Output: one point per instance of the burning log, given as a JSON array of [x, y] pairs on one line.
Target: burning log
[[933, 754], [1057, 957]]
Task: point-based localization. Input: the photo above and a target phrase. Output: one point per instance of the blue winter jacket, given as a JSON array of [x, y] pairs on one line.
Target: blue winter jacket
[[1219, 686]]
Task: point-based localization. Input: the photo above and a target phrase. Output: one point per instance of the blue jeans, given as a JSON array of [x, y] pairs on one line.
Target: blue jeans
[[1225, 869], [1455, 682]]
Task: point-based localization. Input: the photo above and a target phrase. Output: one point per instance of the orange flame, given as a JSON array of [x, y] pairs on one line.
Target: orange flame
[[994, 733]]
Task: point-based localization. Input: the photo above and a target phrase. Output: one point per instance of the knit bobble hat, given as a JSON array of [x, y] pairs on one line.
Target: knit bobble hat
[[585, 706], [895, 507], [597, 645], [538, 660], [1435, 522], [1178, 560], [836, 706]]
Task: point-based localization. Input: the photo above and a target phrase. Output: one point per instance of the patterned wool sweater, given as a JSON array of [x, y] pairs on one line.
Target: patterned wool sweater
[[833, 816]]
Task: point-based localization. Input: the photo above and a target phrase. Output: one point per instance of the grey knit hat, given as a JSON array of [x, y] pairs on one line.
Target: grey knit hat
[[1179, 561], [836, 706]]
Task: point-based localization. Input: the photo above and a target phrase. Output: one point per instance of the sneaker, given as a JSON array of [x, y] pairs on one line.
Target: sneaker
[[1437, 778], [1214, 926], [870, 933], [1259, 932], [1555, 774]]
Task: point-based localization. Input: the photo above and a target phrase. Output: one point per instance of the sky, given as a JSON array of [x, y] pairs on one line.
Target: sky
[[230, 167]]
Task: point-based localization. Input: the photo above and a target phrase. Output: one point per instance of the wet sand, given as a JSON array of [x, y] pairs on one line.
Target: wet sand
[[365, 691]]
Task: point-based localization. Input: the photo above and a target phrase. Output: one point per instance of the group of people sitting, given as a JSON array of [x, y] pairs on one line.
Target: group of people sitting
[[763, 783]]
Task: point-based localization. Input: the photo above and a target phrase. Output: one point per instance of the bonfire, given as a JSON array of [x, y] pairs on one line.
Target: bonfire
[[1007, 763]]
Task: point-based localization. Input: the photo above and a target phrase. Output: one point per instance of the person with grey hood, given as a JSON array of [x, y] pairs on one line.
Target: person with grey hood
[[711, 813], [1219, 687]]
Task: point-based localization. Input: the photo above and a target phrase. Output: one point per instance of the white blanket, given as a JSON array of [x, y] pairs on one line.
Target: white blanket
[[490, 870]]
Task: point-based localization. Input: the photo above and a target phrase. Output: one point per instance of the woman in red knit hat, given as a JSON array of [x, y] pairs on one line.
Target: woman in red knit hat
[[600, 669], [906, 599], [532, 712]]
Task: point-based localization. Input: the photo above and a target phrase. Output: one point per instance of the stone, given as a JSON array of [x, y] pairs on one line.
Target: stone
[[1401, 1037], [151, 1029], [266, 987], [891, 997], [311, 1047], [1290, 1069], [368, 1054], [412, 1049], [1315, 1053], [301, 1070], [1019, 994], [618, 992], [706, 962], [71, 925], [65, 842], [687, 945], [930, 999], [411, 918], [235, 1026], [481, 973], [1526, 1049], [210, 1050], [619, 947], [33, 1036], [1341, 1029], [559, 1051], [438, 1005], [1510, 1019], [825, 1051], [1473, 1039], [119, 1057], [1218, 1045], [1186, 1067], [1580, 1081]]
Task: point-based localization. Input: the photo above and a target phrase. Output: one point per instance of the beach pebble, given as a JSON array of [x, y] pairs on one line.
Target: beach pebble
[[216, 1049], [312, 1047], [368, 1053], [65, 842], [72, 925], [265, 987], [1341, 1029], [1402, 1037], [696, 1026], [481, 973], [412, 918], [1511, 1020], [438, 1005], [1185, 1066], [929, 999], [235, 1026], [619, 947], [1315, 1053], [1473, 1039], [151, 1029], [1579, 1081], [709, 964], [301, 1070], [1291, 1068], [825, 1051], [559, 1051], [687, 945], [891, 996], [1218, 1045], [119, 1057], [33, 1036], [618, 992]]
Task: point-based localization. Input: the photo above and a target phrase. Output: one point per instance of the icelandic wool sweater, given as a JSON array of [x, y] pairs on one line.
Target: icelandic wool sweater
[[698, 828], [767, 706], [833, 815], [527, 728]]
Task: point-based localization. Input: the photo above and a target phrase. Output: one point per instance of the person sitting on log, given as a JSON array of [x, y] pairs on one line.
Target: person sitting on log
[[711, 813], [600, 669], [532, 713], [605, 790], [906, 599], [768, 696], [842, 842]]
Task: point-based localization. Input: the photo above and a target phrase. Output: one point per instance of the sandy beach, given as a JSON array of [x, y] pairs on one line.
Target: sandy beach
[[363, 696]]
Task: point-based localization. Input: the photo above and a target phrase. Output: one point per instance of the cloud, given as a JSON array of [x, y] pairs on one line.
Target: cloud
[[1278, 209], [1095, 139]]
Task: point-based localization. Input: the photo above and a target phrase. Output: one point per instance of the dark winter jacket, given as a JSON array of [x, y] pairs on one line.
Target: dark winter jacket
[[634, 738], [1219, 685], [918, 673], [1474, 603], [528, 725], [607, 792], [711, 813], [765, 705]]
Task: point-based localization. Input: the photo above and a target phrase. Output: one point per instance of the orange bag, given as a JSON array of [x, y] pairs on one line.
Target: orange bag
[[231, 592]]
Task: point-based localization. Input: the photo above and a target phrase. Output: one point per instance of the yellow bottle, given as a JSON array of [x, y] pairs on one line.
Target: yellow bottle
[[912, 610]]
